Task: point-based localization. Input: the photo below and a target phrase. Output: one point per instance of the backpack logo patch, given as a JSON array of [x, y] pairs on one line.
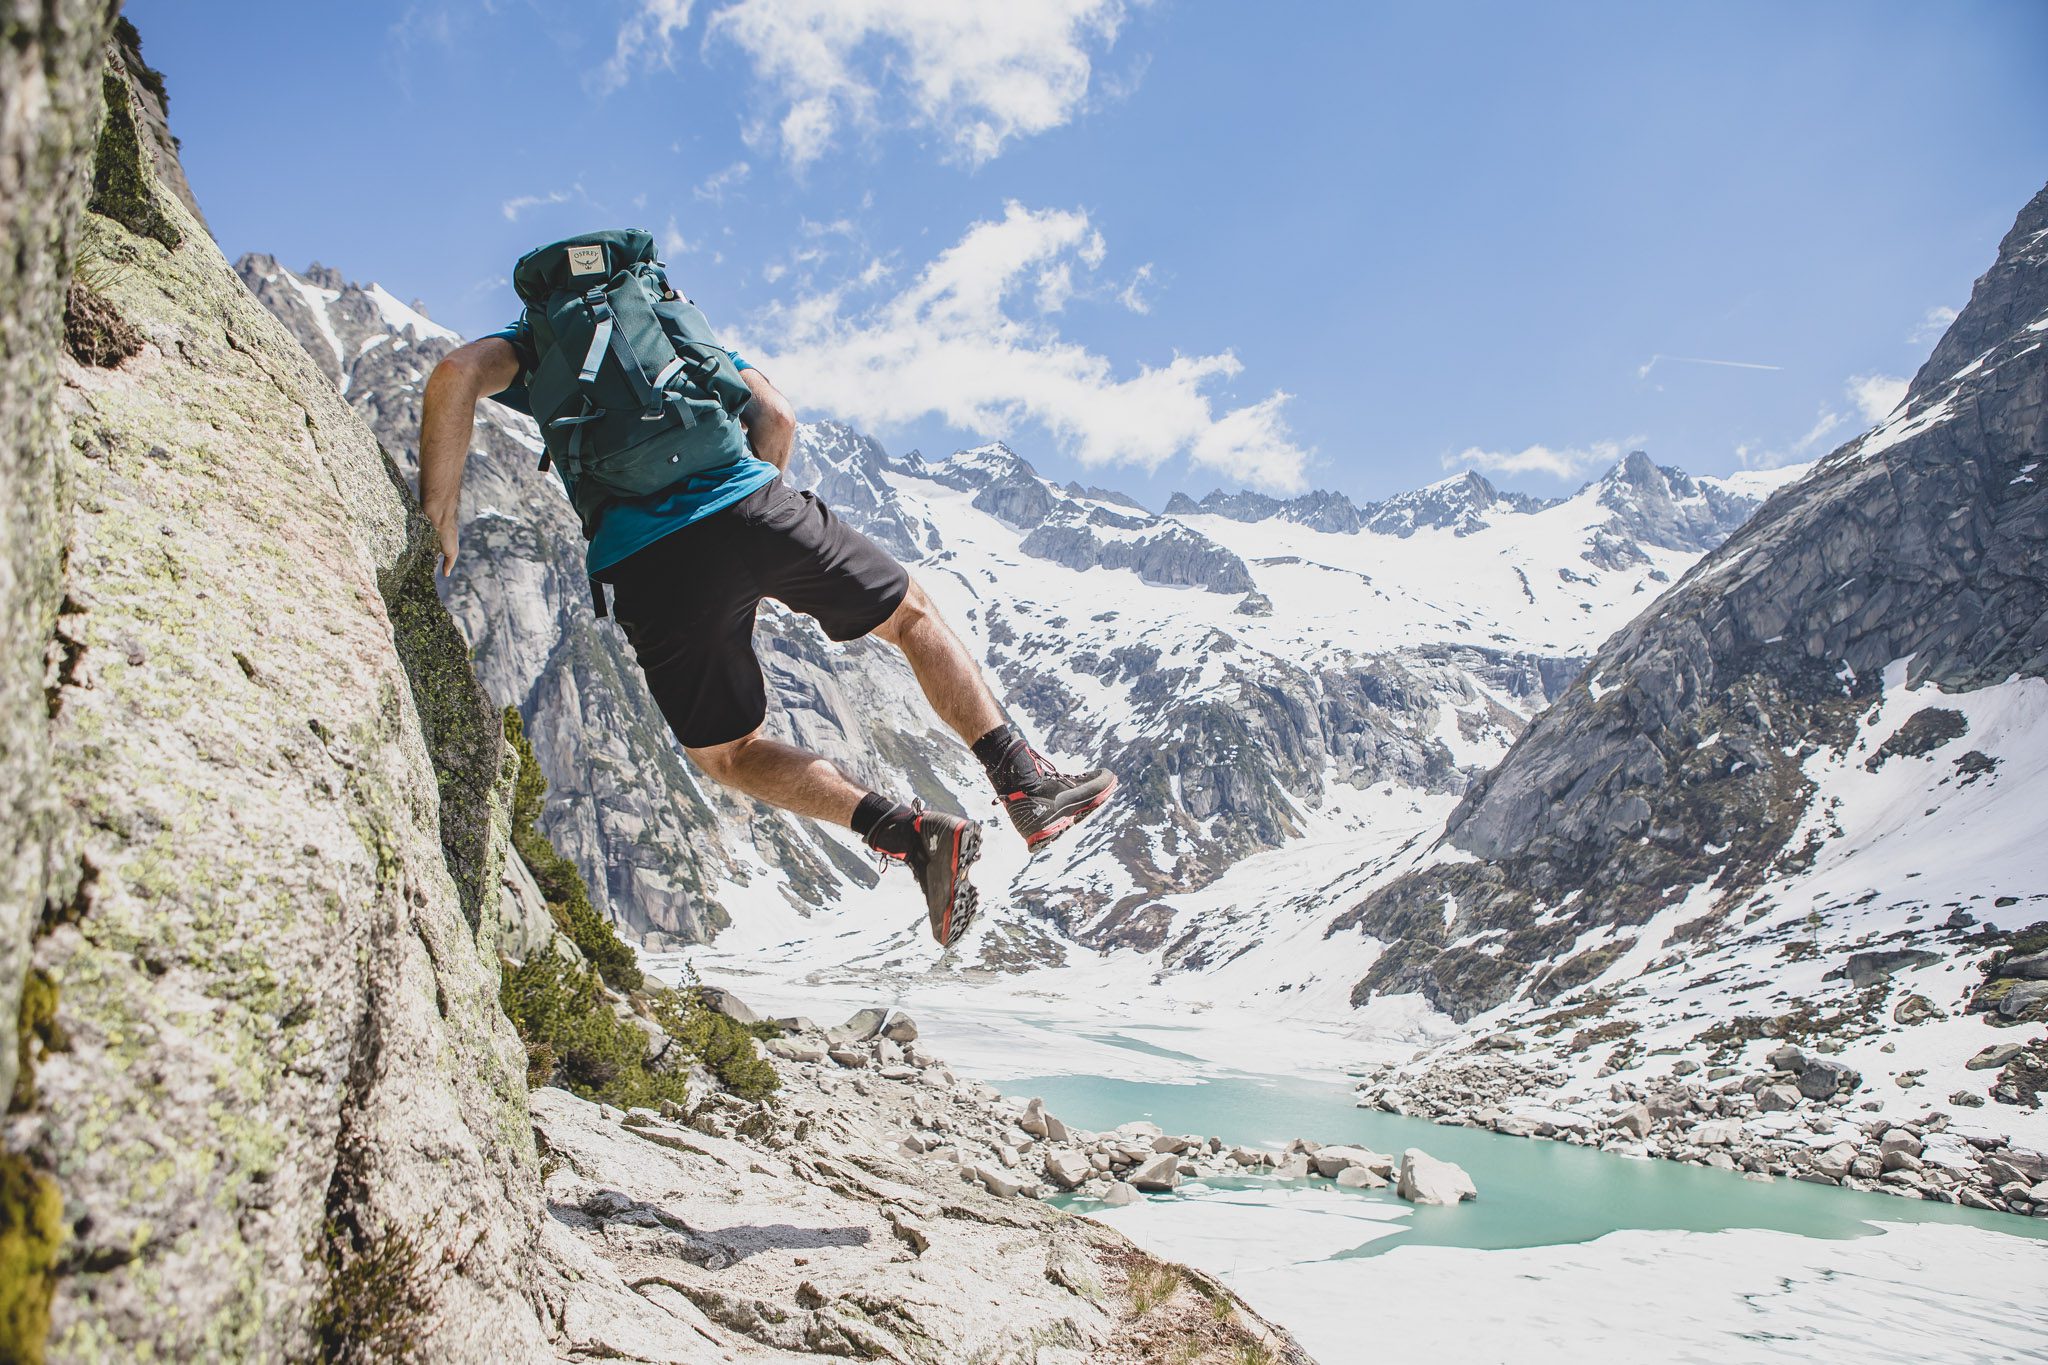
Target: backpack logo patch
[[586, 260]]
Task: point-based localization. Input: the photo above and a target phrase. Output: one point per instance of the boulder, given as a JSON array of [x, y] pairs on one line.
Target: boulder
[[1778, 1099], [1055, 1131], [1293, 1168], [1360, 1178], [1898, 1140], [2027, 1000], [1246, 1156], [1716, 1132], [900, 1028], [1790, 1058], [864, 1025], [1822, 1077], [795, 1050], [1003, 1184], [849, 1057], [1033, 1119], [1834, 1163], [1634, 1120], [1867, 969], [796, 1023], [1425, 1180], [722, 1001], [1334, 1161], [1067, 1169], [1915, 1009], [1120, 1194], [1162, 1172], [1994, 1056], [2028, 966]]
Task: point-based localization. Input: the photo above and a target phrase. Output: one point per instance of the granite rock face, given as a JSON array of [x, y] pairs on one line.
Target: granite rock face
[[281, 1050], [44, 146], [1677, 757]]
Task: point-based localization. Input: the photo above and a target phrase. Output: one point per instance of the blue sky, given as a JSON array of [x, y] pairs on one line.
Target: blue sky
[[1177, 245]]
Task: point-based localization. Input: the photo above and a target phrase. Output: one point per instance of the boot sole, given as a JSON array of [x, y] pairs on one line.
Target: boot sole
[[961, 906], [1071, 818]]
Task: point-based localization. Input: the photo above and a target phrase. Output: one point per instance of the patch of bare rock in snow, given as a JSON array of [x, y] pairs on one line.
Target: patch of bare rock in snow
[[878, 1207]]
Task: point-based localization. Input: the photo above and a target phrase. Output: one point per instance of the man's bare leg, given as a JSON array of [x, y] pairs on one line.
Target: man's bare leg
[[782, 775], [951, 680], [939, 848], [798, 780]]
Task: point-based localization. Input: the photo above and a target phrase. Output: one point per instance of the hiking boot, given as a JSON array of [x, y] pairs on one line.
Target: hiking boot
[[942, 849], [1043, 802]]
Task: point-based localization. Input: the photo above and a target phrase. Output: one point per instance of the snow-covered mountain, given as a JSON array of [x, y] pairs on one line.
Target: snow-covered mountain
[[1265, 675], [1795, 799]]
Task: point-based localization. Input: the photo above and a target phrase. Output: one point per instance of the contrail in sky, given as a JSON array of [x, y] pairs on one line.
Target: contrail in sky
[[1643, 371]]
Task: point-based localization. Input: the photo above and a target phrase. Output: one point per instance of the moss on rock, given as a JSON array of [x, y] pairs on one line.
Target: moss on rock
[[123, 185], [31, 1229], [561, 885], [460, 725]]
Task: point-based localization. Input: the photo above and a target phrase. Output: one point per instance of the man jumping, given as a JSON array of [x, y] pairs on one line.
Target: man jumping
[[690, 562]]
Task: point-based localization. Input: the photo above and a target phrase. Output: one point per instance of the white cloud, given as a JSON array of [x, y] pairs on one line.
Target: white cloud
[[512, 208], [1932, 326], [978, 73], [1876, 395], [1132, 296], [646, 39], [719, 183], [1567, 462], [672, 242], [1825, 424], [970, 340]]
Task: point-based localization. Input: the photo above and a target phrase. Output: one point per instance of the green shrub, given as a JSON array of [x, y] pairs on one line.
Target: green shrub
[[574, 1040], [725, 1046], [561, 885]]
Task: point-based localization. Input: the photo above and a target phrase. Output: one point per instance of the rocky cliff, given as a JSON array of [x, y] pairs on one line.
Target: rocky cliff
[[43, 143]]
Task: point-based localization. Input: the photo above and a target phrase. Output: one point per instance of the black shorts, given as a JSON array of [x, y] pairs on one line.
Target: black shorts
[[687, 602]]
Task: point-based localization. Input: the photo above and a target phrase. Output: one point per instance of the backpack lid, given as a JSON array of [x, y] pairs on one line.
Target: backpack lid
[[580, 262]]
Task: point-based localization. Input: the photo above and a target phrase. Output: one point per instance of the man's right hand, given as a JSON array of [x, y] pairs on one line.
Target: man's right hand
[[448, 531], [447, 420]]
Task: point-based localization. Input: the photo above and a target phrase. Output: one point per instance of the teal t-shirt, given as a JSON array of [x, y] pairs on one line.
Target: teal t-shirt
[[624, 528]]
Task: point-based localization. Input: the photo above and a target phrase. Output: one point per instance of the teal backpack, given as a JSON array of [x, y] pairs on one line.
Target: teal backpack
[[633, 394]]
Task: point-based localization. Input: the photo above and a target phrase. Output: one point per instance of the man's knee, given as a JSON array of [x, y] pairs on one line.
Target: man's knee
[[913, 609], [722, 762]]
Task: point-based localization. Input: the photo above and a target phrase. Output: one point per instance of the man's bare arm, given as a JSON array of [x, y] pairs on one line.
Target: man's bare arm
[[770, 423], [447, 421]]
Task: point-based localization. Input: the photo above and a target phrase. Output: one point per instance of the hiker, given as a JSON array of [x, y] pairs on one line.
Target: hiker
[[672, 449]]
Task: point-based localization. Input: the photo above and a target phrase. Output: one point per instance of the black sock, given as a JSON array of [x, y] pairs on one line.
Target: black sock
[[884, 825], [993, 748]]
